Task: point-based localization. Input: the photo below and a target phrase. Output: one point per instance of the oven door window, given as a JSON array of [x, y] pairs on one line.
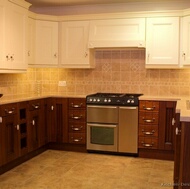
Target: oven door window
[[102, 135]]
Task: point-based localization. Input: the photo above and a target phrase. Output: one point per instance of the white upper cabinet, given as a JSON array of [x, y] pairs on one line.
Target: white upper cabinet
[[74, 52], [185, 42], [31, 40], [13, 32], [117, 33], [162, 42], [46, 44]]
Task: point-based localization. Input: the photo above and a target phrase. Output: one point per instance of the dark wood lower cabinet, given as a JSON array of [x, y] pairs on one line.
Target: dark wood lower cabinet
[[57, 120], [182, 157]]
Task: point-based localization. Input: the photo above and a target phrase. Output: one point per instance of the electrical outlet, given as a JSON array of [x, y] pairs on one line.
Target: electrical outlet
[[62, 83]]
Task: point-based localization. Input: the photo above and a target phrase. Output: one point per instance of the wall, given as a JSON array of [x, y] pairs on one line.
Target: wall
[[116, 71]]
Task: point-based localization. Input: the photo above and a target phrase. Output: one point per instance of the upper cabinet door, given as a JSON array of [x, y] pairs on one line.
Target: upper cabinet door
[[13, 30], [117, 33], [46, 44], [185, 41], [162, 42], [73, 45]]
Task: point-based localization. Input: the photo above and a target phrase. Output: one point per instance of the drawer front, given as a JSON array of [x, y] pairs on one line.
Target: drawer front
[[77, 127], [148, 118], [148, 106], [77, 138], [77, 115], [148, 142], [148, 130], [8, 109], [35, 105], [77, 103]]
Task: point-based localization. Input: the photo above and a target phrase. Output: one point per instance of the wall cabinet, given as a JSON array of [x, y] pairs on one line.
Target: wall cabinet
[[46, 43], [13, 30], [74, 52], [117, 33], [36, 127], [185, 41], [162, 42], [77, 120]]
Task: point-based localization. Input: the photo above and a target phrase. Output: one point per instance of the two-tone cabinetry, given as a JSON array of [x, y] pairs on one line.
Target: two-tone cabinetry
[[77, 121], [156, 129]]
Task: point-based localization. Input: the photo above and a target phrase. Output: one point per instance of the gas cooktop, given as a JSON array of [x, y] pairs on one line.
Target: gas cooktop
[[122, 99]]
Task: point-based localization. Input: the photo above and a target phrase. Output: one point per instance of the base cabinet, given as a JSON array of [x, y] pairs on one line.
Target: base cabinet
[[156, 129], [57, 116], [36, 133], [77, 120], [9, 132]]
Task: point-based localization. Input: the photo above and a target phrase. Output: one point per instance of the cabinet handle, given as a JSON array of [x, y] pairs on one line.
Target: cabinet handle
[[9, 111], [76, 117], [12, 57], [147, 145], [76, 105], [7, 57], [148, 133], [28, 53], [149, 109], [184, 55], [55, 55], [85, 54], [52, 108], [177, 131], [173, 121], [33, 122], [76, 128], [148, 120], [35, 106], [76, 139], [17, 127]]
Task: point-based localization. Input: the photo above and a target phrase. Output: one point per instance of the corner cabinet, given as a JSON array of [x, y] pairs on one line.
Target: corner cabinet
[[74, 52], [162, 42], [185, 41], [13, 31]]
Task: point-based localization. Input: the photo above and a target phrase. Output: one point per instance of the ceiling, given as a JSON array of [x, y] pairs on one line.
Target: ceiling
[[46, 3], [74, 7]]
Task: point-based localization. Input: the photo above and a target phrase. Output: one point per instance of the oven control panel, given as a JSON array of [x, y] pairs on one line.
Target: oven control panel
[[112, 101]]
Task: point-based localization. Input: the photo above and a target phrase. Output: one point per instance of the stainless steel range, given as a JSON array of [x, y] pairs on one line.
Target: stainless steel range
[[112, 122]]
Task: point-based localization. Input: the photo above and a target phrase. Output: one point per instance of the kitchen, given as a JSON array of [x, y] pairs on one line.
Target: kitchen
[[118, 70]]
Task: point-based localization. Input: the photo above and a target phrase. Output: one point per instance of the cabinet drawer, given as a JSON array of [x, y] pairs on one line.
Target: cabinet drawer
[[148, 106], [148, 118], [76, 103], [8, 109], [77, 115], [77, 127], [148, 142], [148, 130], [35, 104], [77, 138]]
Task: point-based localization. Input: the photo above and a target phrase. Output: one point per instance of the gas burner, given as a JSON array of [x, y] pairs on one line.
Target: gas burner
[[123, 99]]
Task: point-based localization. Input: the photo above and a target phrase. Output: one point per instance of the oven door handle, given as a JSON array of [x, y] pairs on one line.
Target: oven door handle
[[128, 108], [107, 107], [102, 125]]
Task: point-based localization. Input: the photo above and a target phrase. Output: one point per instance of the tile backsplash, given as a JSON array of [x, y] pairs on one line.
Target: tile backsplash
[[116, 71]]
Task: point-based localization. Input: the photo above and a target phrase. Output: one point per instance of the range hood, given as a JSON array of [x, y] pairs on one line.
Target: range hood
[[117, 33]]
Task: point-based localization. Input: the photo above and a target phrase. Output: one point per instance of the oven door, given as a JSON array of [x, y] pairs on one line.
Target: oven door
[[102, 137]]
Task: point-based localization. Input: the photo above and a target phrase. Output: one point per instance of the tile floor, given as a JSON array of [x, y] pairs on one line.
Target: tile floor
[[73, 170]]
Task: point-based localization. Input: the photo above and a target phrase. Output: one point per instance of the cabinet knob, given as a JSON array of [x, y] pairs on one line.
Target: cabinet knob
[[173, 121], [12, 57], [52, 108], [55, 55], [33, 122], [177, 131], [17, 127]]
